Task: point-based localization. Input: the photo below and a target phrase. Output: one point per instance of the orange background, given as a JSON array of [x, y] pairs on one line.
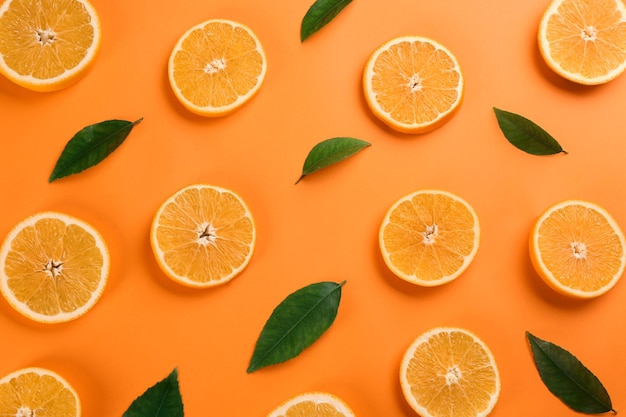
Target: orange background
[[324, 228]]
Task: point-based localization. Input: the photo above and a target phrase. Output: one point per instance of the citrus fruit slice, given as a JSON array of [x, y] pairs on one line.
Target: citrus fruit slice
[[313, 404], [429, 237], [413, 84], [584, 41], [53, 267], [37, 392], [578, 249], [216, 67], [47, 45], [449, 372], [203, 236]]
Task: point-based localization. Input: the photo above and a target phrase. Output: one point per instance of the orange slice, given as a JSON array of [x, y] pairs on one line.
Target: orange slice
[[313, 404], [429, 237], [216, 67], [53, 267], [584, 41], [449, 372], [47, 45], [578, 249], [37, 392], [413, 84], [203, 236]]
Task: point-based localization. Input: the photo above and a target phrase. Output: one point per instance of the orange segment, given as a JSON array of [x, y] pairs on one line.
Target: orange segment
[[313, 404], [203, 236], [429, 237], [37, 392], [584, 41], [47, 45], [216, 67], [413, 84], [578, 249], [53, 267], [449, 372]]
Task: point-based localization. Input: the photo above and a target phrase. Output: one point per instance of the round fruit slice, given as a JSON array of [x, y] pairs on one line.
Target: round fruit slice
[[47, 45], [413, 84], [313, 404], [578, 249], [449, 372], [216, 67], [429, 237], [37, 392], [584, 41], [203, 236], [53, 267]]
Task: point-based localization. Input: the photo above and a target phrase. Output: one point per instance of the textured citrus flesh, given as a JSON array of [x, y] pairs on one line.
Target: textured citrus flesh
[[578, 249], [313, 404], [47, 45], [216, 67], [53, 267], [37, 392], [429, 237], [584, 40], [413, 84], [449, 372], [203, 235]]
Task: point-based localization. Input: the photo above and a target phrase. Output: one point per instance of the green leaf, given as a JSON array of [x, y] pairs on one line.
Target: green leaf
[[331, 151], [297, 322], [161, 400], [319, 15], [90, 146], [568, 379], [526, 135]]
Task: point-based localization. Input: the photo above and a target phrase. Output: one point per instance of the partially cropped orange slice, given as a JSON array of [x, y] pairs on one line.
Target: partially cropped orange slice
[[47, 45], [53, 267], [584, 41], [413, 84], [450, 372], [32, 392], [578, 249], [429, 237], [313, 404], [203, 236], [216, 67]]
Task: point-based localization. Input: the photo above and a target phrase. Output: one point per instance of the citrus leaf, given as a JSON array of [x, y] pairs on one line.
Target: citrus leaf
[[161, 400], [319, 15], [90, 145], [568, 379], [330, 151], [297, 322], [526, 135]]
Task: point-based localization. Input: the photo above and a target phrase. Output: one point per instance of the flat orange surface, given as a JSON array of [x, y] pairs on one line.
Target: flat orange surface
[[324, 228]]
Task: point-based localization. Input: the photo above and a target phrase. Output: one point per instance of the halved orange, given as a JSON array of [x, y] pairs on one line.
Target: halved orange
[[47, 45], [413, 84], [584, 41], [313, 404], [203, 236], [53, 267], [578, 249], [34, 391], [429, 237], [216, 67], [449, 372]]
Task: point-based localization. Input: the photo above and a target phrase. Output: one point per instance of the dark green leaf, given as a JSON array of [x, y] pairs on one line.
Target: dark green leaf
[[161, 400], [331, 151], [568, 379], [90, 146], [319, 15], [297, 322], [526, 135]]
